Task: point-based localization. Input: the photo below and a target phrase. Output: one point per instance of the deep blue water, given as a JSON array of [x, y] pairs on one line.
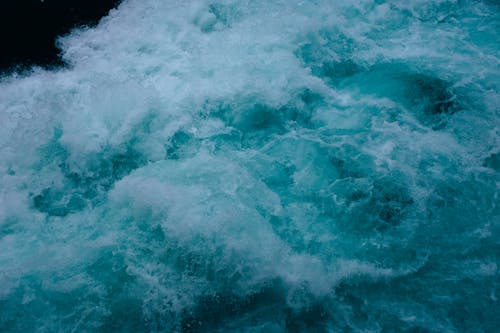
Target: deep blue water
[[257, 166]]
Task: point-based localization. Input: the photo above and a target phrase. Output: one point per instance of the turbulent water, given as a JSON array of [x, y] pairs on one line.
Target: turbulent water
[[257, 166]]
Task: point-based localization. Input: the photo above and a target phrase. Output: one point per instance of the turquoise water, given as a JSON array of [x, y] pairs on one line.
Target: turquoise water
[[257, 166]]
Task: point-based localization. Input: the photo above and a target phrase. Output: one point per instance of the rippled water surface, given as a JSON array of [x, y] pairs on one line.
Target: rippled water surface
[[257, 166]]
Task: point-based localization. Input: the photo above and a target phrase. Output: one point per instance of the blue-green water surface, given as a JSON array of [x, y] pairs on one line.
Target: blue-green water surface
[[257, 166]]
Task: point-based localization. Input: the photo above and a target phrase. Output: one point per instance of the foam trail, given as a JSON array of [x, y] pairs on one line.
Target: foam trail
[[283, 166]]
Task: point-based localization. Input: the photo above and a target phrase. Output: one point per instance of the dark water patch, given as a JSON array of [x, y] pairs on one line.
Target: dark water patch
[[226, 310], [125, 315], [253, 124], [250, 114], [181, 145], [256, 117], [328, 55], [55, 202], [250, 123], [102, 170], [312, 318], [371, 205], [359, 316], [359, 299], [389, 201], [432, 100], [9, 226], [350, 162], [81, 187], [311, 99], [299, 111], [434, 93], [493, 161], [28, 28]]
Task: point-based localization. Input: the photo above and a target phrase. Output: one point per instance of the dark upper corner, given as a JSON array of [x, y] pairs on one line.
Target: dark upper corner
[[29, 28]]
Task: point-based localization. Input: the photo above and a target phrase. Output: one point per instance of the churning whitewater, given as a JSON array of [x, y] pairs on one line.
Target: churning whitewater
[[257, 166]]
